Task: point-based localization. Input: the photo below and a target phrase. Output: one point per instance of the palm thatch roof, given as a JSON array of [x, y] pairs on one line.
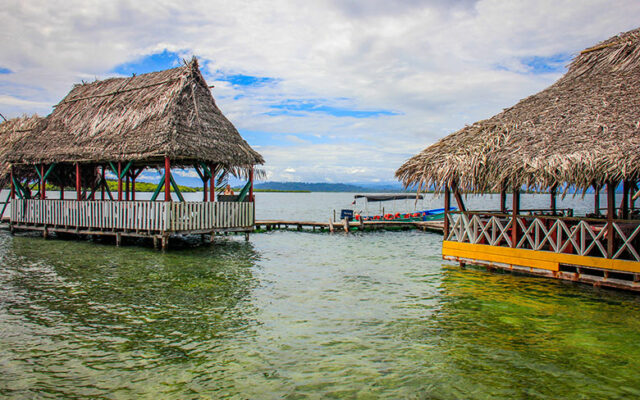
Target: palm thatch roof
[[583, 129], [140, 118], [13, 132]]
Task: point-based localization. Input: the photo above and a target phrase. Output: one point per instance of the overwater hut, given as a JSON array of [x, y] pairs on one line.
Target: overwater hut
[[120, 127], [581, 132]]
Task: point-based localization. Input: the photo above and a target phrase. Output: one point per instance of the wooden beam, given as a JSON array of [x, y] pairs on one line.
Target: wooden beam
[[611, 209], [167, 179], [458, 197]]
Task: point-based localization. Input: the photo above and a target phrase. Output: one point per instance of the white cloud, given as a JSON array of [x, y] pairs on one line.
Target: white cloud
[[438, 64]]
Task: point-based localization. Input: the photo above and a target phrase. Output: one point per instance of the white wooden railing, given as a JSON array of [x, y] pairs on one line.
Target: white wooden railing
[[580, 236], [133, 215]]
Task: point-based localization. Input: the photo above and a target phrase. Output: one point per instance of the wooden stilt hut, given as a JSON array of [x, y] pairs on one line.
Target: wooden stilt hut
[[582, 132], [119, 128]]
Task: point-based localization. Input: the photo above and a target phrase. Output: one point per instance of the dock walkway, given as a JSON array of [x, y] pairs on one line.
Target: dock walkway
[[431, 226]]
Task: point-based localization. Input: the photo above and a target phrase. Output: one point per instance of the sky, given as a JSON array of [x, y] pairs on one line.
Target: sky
[[325, 90]]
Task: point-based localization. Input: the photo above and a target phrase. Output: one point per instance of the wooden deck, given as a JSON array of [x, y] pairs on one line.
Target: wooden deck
[[331, 226]]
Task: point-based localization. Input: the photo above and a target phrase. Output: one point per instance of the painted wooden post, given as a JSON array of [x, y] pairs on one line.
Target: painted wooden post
[[126, 186], [205, 191], [456, 194], [447, 207], [503, 199], [212, 183], [119, 181], [43, 183], [167, 180], [624, 205], [596, 199], [78, 183], [104, 182], [611, 209], [514, 221], [251, 187], [134, 176], [553, 199], [13, 186]]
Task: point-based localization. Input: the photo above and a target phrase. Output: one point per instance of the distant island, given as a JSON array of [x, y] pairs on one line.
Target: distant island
[[327, 187]]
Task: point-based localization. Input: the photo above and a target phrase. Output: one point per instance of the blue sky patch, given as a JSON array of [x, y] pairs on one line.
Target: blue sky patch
[[5, 71], [547, 65], [247, 80], [151, 63], [302, 107]]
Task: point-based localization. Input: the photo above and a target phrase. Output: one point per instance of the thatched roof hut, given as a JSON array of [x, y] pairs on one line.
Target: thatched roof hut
[[12, 132], [141, 118], [583, 129]]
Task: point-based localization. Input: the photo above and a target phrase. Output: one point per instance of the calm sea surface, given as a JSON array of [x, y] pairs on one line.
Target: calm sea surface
[[304, 315]]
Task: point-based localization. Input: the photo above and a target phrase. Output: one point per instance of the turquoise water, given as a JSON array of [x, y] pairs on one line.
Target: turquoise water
[[302, 315]]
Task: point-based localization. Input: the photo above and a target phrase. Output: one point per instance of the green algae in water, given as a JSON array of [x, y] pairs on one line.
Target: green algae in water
[[298, 315]]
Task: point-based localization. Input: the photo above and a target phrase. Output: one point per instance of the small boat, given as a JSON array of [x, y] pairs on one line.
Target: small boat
[[399, 216]]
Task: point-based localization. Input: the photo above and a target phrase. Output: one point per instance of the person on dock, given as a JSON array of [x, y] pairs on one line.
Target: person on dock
[[228, 191]]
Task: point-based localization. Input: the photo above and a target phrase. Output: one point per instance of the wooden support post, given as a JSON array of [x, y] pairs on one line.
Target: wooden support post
[[212, 183], [134, 176], [514, 220], [127, 183], [167, 183], [346, 224], [596, 199], [118, 239], [78, 183], [611, 209], [447, 207], [456, 194], [632, 201], [205, 191], [330, 225], [119, 181], [165, 242], [43, 183], [624, 204], [103, 184], [552, 204], [251, 187], [13, 185], [503, 199], [246, 236]]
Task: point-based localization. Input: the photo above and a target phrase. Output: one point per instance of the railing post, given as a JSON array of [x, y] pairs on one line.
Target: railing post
[[514, 220], [78, 183], [167, 179], [611, 207], [447, 207]]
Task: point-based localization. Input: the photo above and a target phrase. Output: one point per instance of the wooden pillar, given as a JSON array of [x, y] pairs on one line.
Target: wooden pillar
[[456, 194], [447, 207], [104, 182], [205, 191], [632, 200], [624, 204], [611, 209], [515, 211], [503, 199], [12, 185], [134, 176], [552, 204], [212, 183], [119, 181], [596, 199], [167, 181], [126, 186], [78, 183], [251, 187], [43, 183]]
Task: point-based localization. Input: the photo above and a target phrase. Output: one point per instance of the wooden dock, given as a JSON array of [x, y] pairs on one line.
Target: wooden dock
[[346, 226]]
